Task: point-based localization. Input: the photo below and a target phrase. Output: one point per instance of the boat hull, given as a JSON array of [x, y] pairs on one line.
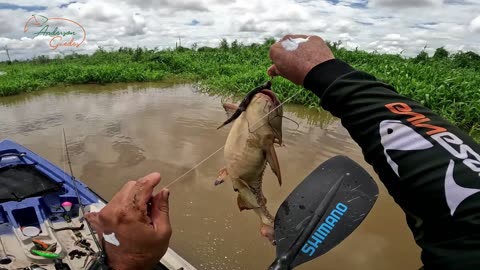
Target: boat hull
[[32, 191]]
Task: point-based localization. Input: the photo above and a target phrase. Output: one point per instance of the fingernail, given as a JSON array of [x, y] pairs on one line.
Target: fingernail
[[165, 193]]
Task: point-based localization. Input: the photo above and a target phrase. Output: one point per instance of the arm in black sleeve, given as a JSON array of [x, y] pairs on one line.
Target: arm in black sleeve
[[429, 166]]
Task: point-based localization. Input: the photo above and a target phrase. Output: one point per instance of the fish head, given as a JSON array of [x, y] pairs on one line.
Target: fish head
[[234, 111], [263, 102], [263, 109], [259, 108]]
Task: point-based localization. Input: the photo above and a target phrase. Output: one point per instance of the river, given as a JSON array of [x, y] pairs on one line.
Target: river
[[119, 132]]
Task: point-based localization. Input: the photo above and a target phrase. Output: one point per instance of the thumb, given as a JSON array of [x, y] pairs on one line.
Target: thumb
[[94, 219], [273, 71], [160, 211]]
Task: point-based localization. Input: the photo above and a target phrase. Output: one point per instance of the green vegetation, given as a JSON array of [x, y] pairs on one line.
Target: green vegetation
[[446, 83]]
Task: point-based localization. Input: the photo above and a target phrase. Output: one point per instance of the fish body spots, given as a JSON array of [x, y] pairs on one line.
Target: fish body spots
[[253, 142]]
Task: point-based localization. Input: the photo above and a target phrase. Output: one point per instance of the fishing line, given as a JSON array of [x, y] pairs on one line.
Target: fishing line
[[194, 167], [270, 124], [298, 125], [211, 155]]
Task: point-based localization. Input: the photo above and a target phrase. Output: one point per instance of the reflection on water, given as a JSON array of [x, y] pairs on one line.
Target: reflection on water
[[120, 132]]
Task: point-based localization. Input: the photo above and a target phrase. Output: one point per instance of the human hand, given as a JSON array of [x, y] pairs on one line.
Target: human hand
[[142, 230], [294, 64]]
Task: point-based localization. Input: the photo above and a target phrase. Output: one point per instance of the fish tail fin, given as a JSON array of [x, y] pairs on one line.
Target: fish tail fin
[[266, 227]]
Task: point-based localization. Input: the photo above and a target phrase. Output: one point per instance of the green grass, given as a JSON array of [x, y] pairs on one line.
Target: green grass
[[447, 84]]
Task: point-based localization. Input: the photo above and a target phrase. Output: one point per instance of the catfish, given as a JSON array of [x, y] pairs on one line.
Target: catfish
[[250, 145]]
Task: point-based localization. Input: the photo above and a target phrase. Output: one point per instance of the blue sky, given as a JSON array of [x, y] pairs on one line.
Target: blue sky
[[11, 6], [388, 26]]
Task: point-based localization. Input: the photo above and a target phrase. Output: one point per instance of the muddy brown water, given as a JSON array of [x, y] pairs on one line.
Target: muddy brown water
[[119, 132]]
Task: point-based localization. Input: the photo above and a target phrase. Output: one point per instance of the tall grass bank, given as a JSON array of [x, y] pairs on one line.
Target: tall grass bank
[[448, 84]]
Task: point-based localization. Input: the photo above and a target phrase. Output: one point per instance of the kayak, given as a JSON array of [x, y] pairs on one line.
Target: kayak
[[41, 222]]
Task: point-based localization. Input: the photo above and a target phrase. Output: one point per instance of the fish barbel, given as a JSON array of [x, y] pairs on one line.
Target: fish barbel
[[248, 149]]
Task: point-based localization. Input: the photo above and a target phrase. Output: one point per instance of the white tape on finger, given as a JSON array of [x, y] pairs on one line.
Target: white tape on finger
[[110, 238], [292, 44]]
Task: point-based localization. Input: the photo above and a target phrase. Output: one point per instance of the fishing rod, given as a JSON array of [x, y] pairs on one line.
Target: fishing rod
[[100, 263], [97, 243]]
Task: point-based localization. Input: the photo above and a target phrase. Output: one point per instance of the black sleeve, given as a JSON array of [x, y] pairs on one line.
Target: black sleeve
[[429, 166]]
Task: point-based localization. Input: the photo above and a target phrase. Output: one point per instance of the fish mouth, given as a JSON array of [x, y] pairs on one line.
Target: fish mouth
[[270, 94]]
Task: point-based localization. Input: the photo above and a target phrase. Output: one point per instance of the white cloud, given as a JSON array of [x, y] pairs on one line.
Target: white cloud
[[345, 37], [420, 42], [252, 25], [5, 28], [136, 26], [395, 37], [383, 25], [406, 3], [177, 5], [96, 11], [344, 25], [109, 43], [475, 25], [318, 26], [287, 12]]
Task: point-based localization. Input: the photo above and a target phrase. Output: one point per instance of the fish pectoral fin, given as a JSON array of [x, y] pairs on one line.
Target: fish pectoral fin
[[230, 109], [246, 201], [273, 161], [222, 174], [242, 204]]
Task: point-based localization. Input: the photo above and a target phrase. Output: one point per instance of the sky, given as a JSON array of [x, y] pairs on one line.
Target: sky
[[385, 26]]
